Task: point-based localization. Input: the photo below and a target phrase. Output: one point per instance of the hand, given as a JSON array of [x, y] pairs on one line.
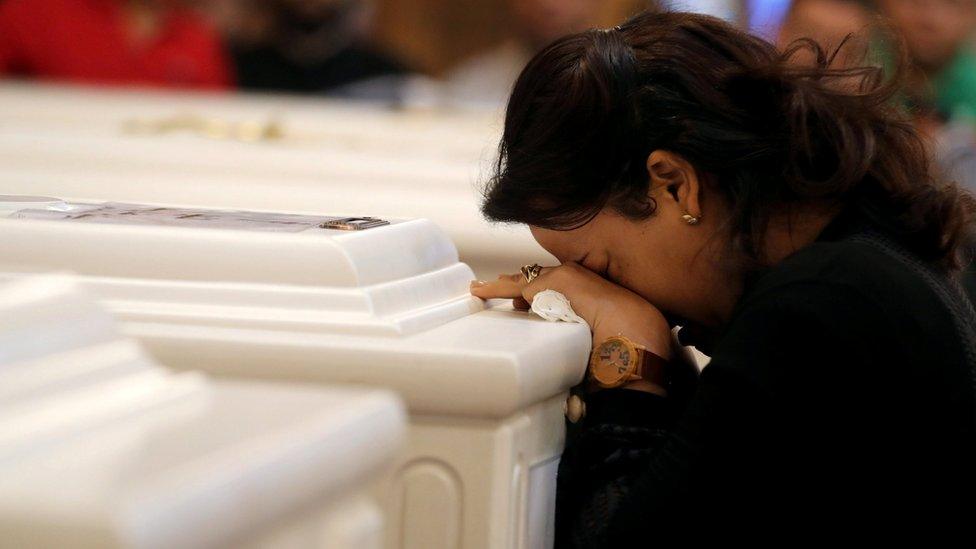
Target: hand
[[608, 308]]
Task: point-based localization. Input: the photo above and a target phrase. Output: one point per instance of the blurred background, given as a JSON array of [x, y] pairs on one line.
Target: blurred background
[[454, 54]]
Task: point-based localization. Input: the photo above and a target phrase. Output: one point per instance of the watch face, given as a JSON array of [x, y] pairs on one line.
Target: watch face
[[612, 362]]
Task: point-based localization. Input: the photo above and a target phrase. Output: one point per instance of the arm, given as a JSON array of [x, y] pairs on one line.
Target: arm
[[758, 438], [639, 466]]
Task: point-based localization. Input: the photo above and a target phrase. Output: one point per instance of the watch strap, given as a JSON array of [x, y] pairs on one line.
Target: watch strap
[[652, 367]]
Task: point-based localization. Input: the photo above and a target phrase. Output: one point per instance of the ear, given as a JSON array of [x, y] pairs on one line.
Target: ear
[[678, 177]]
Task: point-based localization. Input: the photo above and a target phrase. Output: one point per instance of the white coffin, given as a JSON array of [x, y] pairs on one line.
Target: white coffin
[[386, 306], [208, 150], [101, 448]]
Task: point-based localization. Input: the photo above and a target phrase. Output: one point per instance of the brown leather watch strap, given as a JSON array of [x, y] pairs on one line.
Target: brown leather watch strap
[[653, 367]]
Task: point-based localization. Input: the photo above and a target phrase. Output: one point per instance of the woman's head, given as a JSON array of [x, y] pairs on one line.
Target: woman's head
[[613, 137]]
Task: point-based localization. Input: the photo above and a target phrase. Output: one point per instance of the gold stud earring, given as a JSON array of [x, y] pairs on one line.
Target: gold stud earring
[[690, 219]]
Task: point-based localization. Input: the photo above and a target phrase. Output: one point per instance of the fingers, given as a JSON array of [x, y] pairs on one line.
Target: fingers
[[580, 286], [506, 287], [596, 300], [515, 287], [510, 286], [503, 288]]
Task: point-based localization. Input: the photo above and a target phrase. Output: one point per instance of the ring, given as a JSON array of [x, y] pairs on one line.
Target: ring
[[530, 272]]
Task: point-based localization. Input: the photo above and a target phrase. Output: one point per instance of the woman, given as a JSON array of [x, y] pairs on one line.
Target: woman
[[686, 173]]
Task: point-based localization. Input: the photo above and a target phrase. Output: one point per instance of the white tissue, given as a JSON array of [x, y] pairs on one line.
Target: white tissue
[[554, 307]]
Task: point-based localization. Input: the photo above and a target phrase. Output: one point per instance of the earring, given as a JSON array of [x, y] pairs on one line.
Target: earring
[[690, 219]]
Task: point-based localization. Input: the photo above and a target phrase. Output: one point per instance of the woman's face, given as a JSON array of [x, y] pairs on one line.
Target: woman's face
[[675, 266]]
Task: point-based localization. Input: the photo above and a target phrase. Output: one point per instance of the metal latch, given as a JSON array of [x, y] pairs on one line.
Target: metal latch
[[354, 223]]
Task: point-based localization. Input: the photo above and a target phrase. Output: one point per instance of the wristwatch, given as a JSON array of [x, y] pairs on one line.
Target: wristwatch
[[618, 360]]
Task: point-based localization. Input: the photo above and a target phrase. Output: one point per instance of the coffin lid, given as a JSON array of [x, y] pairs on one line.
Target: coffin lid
[[386, 306]]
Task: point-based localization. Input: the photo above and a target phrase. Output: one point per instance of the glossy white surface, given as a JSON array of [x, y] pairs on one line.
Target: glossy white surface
[[387, 306], [484, 388], [346, 159], [319, 257], [99, 447]]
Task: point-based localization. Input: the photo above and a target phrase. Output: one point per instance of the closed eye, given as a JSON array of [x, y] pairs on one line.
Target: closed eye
[[602, 272], [606, 272]]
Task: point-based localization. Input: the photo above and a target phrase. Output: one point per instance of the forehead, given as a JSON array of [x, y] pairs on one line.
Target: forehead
[[597, 236]]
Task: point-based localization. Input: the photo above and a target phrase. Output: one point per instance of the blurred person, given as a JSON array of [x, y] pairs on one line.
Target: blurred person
[[940, 88], [830, 23], [138, 42], [306, 46], [937, 34], [487, 78]]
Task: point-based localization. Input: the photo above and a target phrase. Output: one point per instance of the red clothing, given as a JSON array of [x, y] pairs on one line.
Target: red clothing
[[86, 41]]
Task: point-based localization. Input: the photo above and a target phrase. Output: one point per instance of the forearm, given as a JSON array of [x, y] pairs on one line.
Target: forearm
[[681, 373], [636, 459], [606, 451]]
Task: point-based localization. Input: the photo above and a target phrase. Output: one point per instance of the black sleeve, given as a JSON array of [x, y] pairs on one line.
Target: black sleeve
[[636, 467]]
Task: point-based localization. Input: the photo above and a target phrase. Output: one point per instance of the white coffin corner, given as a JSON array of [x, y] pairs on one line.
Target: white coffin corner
[[100, 447]]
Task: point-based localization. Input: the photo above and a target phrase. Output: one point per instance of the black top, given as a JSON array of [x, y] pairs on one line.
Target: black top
[[840, 396]]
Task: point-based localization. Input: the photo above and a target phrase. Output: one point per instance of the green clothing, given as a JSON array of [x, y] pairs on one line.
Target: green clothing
[[953, 90], [955, 87]]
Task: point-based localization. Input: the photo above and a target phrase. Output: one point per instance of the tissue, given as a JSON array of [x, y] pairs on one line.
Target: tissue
[[554, 307]]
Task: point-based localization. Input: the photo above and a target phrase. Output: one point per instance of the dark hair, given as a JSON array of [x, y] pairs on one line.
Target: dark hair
[[765, 132]]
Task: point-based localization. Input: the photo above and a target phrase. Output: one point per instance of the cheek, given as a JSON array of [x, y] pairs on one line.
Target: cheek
[[647, 277], [642, 271], [645, 266]]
